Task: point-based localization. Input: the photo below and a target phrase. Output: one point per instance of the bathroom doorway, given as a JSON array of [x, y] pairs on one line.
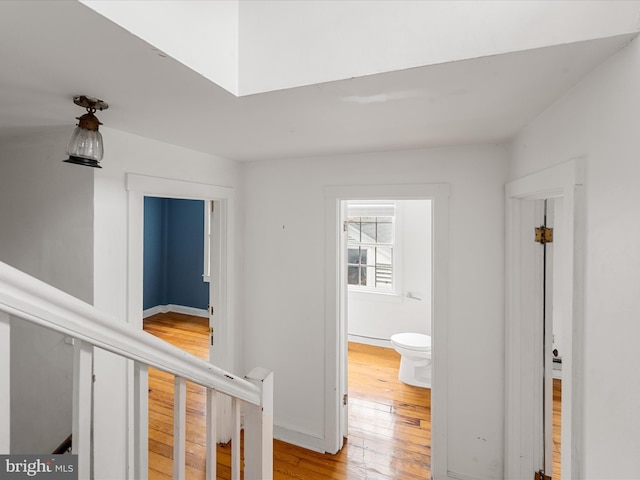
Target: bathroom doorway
[[337, 331], [389, 274]]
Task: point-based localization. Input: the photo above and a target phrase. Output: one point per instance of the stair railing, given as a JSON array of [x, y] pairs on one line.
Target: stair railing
[[27, 298]]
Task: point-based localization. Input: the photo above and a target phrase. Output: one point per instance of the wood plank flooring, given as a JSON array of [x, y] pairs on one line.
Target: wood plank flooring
[[389, 422], [557, 427]]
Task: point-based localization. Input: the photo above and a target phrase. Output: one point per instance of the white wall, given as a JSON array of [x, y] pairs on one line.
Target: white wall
[[203, 35], [284, 285], [126, 153], [46, 213], [378, 316], [598, 120], [285, 44]]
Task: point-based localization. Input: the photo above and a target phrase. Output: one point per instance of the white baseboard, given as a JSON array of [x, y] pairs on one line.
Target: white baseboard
[[194, 312], [460, 476], [378, 342], [300, 439]]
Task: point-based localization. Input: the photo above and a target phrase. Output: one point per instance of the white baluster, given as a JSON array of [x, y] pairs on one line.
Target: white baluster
[[258, 429], [235, 439], [179, 428], [211, 434], [140, 420], [82, 444], [5, 383]]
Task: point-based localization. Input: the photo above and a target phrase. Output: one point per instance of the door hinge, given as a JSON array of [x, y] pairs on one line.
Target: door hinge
[[540, 475], [544, 235], [345, 399], [211, 335], [211, 310], [344, 226]]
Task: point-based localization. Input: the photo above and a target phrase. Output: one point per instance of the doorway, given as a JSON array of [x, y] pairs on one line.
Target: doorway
[[549, 239], [174, 257], [337, 303], [389, 276], [526, 342], [222, 253]]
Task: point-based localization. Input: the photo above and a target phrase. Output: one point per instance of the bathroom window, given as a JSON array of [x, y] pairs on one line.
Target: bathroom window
[[370, 246]]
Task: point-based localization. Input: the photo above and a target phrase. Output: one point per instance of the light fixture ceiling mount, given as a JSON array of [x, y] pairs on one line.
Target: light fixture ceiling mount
[[85, 145]]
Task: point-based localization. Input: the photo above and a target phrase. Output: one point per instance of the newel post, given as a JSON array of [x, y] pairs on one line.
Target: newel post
[[82, 420], [258, 429], [5, 383]]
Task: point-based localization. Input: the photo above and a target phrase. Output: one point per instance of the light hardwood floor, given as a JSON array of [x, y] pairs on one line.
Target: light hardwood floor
[[389, 422]]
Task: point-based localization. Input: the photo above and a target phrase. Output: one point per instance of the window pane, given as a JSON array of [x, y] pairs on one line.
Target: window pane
[[368, 232], [353, 228], [353, 255], [384, 256], [352, 275], [385, 232], [367, 255]]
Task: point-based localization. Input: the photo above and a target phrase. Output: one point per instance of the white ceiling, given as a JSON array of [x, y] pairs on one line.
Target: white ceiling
[[50, 51]]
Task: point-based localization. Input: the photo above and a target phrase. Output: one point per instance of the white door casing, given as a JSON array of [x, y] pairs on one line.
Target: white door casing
[[335, 311], [139, 186], [523, 394]]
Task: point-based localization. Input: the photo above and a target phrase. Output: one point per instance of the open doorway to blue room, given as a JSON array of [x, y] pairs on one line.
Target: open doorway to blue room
[[174, 232]]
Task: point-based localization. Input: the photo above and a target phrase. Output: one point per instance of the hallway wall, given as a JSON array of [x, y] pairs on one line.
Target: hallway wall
[[598, 121], [46, 214], [284, 270]]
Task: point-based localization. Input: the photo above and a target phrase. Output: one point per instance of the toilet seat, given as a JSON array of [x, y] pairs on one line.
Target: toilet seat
[[417, 342]]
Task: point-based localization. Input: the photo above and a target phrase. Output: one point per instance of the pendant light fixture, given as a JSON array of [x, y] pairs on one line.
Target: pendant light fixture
[[85, 145]]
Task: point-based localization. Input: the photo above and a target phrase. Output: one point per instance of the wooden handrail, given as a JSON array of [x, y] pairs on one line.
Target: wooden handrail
[[35, 301]]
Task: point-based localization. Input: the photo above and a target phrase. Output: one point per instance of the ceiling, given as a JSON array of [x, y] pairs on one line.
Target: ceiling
[[50, 51]]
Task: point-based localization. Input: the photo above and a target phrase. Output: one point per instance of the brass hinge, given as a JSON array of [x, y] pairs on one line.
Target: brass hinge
[[345, 399], [540, 475], [211, 335], [344, 226], [211, 310], [544, 235]]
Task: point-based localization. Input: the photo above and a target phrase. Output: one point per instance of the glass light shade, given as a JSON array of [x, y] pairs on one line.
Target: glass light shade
[[85, 144]]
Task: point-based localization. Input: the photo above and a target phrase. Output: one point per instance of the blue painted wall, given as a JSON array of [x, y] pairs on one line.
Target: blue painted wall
[[174, 253], [154, 279]]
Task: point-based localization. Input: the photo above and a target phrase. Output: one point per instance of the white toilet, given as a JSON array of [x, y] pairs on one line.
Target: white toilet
[[415, 360]]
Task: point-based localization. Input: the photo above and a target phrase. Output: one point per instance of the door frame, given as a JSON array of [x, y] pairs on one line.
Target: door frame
[[523, 435], [138, 187], [335, 309]]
